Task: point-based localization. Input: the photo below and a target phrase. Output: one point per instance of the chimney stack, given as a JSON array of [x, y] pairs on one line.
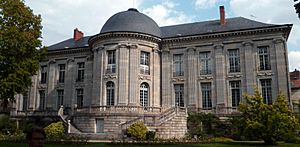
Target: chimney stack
[[222, 15], [77, 34]]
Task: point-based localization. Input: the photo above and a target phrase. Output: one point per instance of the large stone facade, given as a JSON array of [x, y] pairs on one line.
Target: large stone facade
[[134, 70]]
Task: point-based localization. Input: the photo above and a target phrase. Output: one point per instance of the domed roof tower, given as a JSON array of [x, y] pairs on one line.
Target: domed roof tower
[[131, 21]]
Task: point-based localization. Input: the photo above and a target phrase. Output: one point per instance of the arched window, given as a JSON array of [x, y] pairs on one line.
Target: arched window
[[144, 95], [110, 93]]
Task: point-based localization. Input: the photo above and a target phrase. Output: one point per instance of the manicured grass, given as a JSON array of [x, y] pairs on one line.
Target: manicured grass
[[188, 145]]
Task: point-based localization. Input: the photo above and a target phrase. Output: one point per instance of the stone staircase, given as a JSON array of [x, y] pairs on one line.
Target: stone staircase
[[172, 123]]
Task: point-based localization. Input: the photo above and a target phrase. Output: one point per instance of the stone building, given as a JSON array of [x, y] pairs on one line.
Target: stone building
[[134, 70], [295, 89]]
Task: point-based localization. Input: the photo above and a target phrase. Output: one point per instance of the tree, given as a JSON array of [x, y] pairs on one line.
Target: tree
[[267, 122], [20, 48], [297, 7]]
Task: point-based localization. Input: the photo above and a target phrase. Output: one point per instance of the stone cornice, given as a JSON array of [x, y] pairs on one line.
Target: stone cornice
[[69, 51], [228, 34], [123, 34]]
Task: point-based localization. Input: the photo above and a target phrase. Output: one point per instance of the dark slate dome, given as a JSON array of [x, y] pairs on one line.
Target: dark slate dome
[[131, 21]]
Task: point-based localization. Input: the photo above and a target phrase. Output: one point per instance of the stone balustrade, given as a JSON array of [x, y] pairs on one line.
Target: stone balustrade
[[118, 109]]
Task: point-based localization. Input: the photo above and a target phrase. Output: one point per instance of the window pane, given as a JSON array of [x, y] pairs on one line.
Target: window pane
[[79, 98], [178, 65], [110, 94], [264, 58], [80, 75], [234, 60], [111, 62], [205, 63], [206, 96], [266, 88], [179, 93], [235, 92], [144, 96], [61, 73]]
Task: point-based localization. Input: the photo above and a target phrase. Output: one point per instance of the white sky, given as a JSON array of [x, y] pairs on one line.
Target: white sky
[[61, 17]]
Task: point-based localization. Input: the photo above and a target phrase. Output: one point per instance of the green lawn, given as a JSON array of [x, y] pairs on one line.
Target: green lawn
[[189, 145]]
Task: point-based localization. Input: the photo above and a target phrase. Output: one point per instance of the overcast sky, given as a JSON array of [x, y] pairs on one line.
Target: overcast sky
[[61, 17]]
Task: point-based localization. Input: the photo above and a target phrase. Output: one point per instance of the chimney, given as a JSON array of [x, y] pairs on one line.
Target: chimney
[[77, 34], [222, 15]]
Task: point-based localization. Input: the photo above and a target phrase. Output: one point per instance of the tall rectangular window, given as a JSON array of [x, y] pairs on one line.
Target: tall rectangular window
[[205, 62], [111, 61], [79, 98], [178, 65], [179, 93], [235, 88], [60, 98], [25, 101], [266, 90], [80, 75], [43, 74], [42, 100], [144, 63], [234, 60], [62, 68], [264, 58], [206, 96]]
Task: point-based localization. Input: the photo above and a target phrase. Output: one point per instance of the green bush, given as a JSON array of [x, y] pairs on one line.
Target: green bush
[[7, 126], [150, 135], [55, 131], [138, 131], [220, 139]]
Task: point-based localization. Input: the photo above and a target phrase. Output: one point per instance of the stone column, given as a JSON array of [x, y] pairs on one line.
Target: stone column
[[249, 67], [156, 77], [32, 94], [51, 95], [166, 79], [133, 74], [220, 75], [282, 66], [96, 77], [191, 77], [123, 74]]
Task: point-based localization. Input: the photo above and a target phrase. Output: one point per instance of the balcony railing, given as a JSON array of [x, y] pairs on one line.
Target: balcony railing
[[118, 109]]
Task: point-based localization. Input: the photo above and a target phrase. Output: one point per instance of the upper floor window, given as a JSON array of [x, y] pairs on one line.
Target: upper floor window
[[235, 88], [42, 100], [43, 74], [206, 96], [62, 68], [266, 90], [205, 62], [79, 96], [264, 58], [234, 60], [110, 93], [179, 95], [80, 75], [111, 61], [144, 95], [178, 65], [144, 63]]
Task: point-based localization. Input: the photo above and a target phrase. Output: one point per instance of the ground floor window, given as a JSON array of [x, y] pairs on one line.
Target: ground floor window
[[99, 125], [179, 93], [206, 96]]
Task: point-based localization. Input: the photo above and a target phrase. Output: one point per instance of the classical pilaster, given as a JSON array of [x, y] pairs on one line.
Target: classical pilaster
[[156, 77], [96, 77], [69, 82], [51, 83], [282, 70], [32, 94], [191, 77], [123, 74], [166, 79], [220, 74], [249, 67], [133, 69]]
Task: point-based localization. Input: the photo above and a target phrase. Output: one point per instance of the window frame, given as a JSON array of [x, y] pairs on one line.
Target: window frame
[[80, 71], [234, 60], [111, 61], [145, 63], [206, 94], [264, 58], [61, 75], [236, 93], [110, 93], [144, 95], [266, 90], [205, 63], [179, 95], [178, 65]]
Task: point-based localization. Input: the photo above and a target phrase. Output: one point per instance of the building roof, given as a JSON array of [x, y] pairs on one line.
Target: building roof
[[295, 84], [131, 21], [146, 25], [214, 26]]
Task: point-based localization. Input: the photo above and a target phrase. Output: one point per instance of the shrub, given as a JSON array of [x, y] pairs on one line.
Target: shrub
[[220, 139], [137, 130], [7, 126], [55, 131], [150, 135]]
